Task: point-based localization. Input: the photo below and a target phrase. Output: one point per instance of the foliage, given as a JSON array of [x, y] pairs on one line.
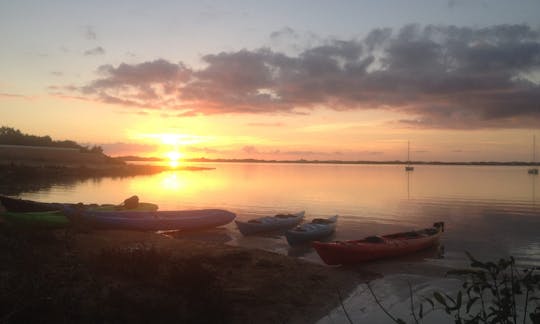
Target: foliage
[[12, 136], [491, 293]]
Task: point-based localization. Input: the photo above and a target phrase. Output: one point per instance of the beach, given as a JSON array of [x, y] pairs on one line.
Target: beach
[[109, 275]]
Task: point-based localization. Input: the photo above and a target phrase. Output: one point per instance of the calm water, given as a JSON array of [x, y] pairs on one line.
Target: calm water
[[491, 211]]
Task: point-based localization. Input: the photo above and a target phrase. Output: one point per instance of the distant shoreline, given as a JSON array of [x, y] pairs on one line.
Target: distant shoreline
[[301, 161], [24, 177], [78, 171]]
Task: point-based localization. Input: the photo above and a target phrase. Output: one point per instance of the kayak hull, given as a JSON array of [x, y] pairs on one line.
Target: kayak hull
[[47, 219], [269, 224], [316, 230], [393, 245], [23, 206], [152, 220]]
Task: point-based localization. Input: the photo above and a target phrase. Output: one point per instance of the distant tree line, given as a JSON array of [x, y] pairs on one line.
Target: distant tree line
[[12, 136]]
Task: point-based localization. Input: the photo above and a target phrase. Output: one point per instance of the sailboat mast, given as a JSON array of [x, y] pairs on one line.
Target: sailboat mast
[[533, 169], [534, 148], [408, 152], [409, 167]]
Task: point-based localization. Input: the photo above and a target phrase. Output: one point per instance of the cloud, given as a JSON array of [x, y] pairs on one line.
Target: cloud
[[15, 96], [197, 149], [121, 148], [436, 76], [148, 85], [278, 124], [250, 149], [286, 32], [95, 51], [89, 33]]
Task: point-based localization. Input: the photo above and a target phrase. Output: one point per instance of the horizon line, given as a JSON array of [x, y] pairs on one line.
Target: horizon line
[[393, 162]]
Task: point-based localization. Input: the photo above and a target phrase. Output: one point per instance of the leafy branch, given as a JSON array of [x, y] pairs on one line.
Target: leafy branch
[[492, 292]]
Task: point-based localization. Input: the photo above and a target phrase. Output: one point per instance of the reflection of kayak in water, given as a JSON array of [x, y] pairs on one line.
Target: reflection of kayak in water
[[319, 228], [378, 247], [269, 223], [23, 205], [151, 220]]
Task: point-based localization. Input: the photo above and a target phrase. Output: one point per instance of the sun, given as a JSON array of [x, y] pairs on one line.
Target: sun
[[170, 139], [174, 158]]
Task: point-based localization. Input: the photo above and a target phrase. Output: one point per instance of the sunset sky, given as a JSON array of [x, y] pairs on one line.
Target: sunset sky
[[310, 79]]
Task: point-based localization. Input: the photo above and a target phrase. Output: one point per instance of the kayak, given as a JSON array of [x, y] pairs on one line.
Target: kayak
[[319, 228], [151, 220], [57, 219], [378, 247], [269, 223], [22, 205], [142, 206], [47, 219]]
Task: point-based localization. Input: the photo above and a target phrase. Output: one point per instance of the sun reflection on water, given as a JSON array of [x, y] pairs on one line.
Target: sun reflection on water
[[174, 158], [176, 189], [171, 182]]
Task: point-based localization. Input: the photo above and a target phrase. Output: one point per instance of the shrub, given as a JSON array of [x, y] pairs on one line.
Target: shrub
[[492, 292]]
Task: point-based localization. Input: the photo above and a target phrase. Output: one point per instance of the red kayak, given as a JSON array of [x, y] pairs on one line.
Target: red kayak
[[378, 247]]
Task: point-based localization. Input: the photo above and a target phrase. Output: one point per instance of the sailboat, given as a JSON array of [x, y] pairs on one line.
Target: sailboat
[[533, 170], [409, 167]]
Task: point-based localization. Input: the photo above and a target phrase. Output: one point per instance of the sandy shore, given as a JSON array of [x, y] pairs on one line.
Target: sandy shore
[[264, 287], [254, 286]]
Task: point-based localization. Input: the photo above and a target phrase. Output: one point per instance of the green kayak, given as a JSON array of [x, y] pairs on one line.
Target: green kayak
[[56, 219], [140, 207], [47, 219]]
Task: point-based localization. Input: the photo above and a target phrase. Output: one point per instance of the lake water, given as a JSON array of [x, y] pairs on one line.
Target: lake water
[[490, 211]]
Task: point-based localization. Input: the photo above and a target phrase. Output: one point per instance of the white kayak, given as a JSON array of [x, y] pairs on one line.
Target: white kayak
[[269, 223], [319, 228]]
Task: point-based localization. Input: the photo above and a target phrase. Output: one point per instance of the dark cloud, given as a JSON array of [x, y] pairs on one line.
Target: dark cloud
[[286, 32], [151, 84], [437, 76], [95, 51]]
